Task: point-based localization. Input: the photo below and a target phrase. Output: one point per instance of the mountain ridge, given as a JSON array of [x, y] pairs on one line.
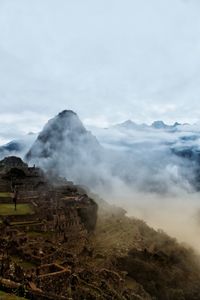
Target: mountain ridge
[[158, 124]]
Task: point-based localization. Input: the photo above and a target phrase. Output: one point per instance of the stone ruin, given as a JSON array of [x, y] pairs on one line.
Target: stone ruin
[[56, 229], [15, 173]]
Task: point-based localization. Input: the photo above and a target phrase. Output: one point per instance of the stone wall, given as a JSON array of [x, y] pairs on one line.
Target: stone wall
[[58, 274]]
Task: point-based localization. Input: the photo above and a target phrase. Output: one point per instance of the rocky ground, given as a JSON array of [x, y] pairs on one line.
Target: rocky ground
[[126, 259]]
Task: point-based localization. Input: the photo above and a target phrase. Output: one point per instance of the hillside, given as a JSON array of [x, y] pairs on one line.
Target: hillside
[[88, 248], [156, 266]]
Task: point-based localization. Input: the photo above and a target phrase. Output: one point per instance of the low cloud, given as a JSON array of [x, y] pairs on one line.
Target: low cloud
[[142, 170]]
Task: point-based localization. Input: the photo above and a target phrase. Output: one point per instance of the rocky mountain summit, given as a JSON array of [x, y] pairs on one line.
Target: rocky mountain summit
[[64, 133], [65, 141]]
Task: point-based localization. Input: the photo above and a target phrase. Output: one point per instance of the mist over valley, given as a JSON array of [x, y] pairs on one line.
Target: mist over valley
[[150, 170]]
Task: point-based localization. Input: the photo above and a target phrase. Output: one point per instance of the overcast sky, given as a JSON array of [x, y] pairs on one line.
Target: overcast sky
[[109, 60]]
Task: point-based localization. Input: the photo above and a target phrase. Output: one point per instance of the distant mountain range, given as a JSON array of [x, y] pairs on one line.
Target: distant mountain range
[[138, 152], [76, 131], [130, 125], [156, 125]]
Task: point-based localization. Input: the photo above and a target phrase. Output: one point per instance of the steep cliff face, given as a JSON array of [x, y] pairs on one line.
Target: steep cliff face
[[65, 147]]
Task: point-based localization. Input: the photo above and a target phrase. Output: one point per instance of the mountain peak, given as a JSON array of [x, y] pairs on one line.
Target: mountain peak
[[176, 124], [66, 122], [159, 124], [66, 113], [129, 122], [64, 144]]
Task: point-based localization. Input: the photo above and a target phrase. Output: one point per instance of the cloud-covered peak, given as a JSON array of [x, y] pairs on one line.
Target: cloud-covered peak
[[129, 124], [65, 147], [159, 125]]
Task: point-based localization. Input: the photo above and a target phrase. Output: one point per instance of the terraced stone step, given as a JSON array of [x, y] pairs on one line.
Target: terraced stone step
[[25, 223], [5, 187], [30, 226]]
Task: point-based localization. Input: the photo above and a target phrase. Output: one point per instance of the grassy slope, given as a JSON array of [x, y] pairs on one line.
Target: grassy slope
[[5, 194], [5, 296], [22, 209]]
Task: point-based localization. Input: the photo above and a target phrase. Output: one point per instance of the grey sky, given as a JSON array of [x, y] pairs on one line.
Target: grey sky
[[109, 60]]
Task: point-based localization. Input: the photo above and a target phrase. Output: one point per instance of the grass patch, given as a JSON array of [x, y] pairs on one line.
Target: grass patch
[[35, 234], [26, 265], [9, 209], [19, 224], [5, 296], [5, 194], [25, 223]]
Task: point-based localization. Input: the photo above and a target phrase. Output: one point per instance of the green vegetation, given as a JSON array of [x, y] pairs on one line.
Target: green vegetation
[[24, 223], [165, 269], [5, 296], [26, 265], [9, 209], [5, 194], [35, 234]]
